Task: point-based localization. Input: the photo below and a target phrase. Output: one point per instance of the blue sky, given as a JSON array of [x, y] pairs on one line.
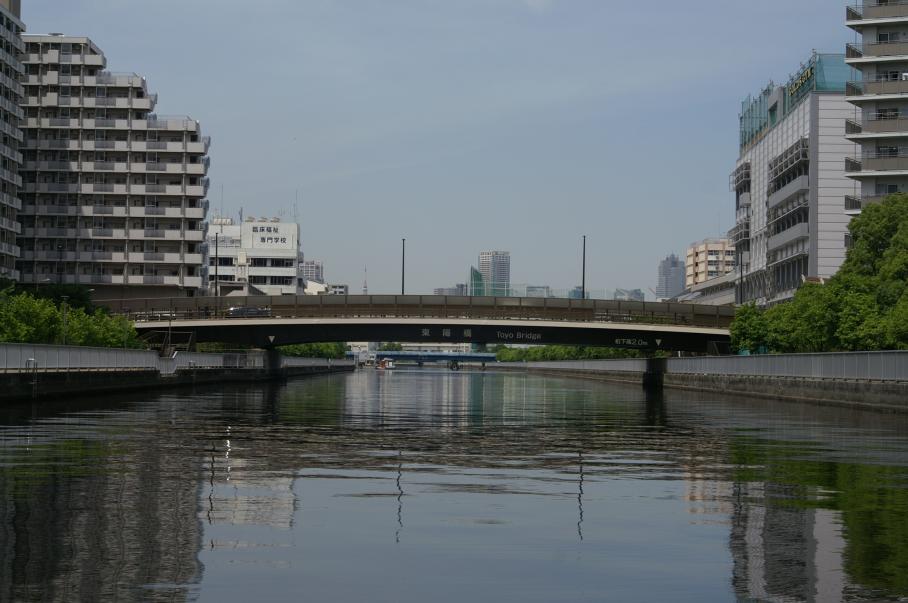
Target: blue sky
[[465, 125]]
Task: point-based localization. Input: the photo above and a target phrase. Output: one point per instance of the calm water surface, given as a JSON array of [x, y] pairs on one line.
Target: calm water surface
[[435, 486]]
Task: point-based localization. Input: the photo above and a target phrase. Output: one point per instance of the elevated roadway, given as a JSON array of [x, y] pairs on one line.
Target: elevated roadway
[[274, 321]]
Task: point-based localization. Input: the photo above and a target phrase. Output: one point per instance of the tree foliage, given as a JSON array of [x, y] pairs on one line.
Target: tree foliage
[[27, 319], [315, 350], [863, 307], [560, 352]]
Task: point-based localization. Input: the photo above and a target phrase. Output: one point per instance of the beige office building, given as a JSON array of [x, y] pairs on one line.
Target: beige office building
[[113, 195], [708, 259], [11, 114]]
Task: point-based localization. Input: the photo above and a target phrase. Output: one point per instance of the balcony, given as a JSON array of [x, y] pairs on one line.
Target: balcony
[[878, 123], [154, 279], [798, 231], [889, 161], [876, 50], [801, 184], [876, 87], [891, 10]]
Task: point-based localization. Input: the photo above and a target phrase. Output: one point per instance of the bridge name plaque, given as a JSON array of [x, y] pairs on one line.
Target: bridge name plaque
[[522, 336]]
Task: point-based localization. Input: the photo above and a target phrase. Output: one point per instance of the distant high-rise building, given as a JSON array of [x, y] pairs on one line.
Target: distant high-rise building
[[495, 267], [628, 295], [458, 289], [11, 114], [477, 283], [538, 291], [671, 277], [113, 195], [578, 293], [313, 270], [709, 259]]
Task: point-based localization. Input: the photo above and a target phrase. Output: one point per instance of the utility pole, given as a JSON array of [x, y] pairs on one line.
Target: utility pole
[[217, 283], [63, 304], [583, 270], [403, 263]]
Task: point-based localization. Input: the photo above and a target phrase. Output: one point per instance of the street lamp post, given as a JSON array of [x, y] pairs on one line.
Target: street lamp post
[[583, 271], [403, 263], [63, 304]]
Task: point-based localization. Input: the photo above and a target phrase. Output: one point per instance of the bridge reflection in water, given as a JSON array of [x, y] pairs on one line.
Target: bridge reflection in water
[[273, 321], [384, 472]]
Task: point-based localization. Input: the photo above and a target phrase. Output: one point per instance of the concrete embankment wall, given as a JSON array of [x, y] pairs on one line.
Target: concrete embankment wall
[[47, 385], [32, 372], [871, 380]]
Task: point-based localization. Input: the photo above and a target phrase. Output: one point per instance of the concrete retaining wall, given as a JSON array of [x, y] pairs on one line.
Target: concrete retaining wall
[[48, 385], [891, 396]]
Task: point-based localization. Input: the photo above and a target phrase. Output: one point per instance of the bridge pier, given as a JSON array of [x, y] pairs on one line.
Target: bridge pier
[[654, 377], [273, 363]]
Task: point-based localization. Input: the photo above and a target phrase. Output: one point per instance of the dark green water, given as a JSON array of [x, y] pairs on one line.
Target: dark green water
[[437, 486]]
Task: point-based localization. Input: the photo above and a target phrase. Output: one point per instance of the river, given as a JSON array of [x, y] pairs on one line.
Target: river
[[429, 485]]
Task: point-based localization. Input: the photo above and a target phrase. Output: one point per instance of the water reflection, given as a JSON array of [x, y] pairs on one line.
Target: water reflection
[[357, 487]]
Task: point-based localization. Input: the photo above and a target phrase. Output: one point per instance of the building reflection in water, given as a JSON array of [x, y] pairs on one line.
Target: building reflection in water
[[119, 502]]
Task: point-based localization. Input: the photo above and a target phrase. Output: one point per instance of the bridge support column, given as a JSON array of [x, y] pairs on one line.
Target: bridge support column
[[654, 376], [273, 362]]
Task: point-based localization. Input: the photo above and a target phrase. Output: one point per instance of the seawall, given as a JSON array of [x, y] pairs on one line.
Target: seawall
[[866, 380]]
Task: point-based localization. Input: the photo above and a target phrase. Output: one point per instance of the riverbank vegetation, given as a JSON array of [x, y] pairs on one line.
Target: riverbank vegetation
[[315, 350], [64, 315], [560, 352], [863, 307]]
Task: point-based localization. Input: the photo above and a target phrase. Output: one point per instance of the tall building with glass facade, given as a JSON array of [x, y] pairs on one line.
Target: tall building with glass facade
[[789, 182], [495, 267], [878, 124], [113, 195], [11, 114], [671, 277]]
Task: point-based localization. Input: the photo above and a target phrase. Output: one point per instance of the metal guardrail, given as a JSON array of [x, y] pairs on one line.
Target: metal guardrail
[[623, 365], [865, 366], [18, 357]]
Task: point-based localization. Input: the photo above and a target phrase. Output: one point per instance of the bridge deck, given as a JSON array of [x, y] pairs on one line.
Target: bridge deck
[[423, 306]]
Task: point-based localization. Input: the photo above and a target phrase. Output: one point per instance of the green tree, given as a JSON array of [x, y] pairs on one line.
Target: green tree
[[749, 330], [315, 350], [863, 307]]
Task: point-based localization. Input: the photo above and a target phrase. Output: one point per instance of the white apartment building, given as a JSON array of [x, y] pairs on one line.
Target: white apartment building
[[263, 253], [790, 184], [11, 114], [495, 268], [878, 124], [708, 259], [113, 195], [313, 270]]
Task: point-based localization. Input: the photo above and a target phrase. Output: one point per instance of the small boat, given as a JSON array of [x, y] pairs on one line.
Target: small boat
[[385, 363]]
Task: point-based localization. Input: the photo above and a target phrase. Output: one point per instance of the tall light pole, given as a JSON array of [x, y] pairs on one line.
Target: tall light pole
[[583, 270], [217, 283], [63, 304], [403, 263]]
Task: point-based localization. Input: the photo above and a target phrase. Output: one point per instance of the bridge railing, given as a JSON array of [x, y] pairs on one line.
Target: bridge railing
[[420, 306], [875, 366]]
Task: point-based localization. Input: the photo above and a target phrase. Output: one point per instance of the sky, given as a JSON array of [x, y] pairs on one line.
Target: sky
[[465, 125]]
